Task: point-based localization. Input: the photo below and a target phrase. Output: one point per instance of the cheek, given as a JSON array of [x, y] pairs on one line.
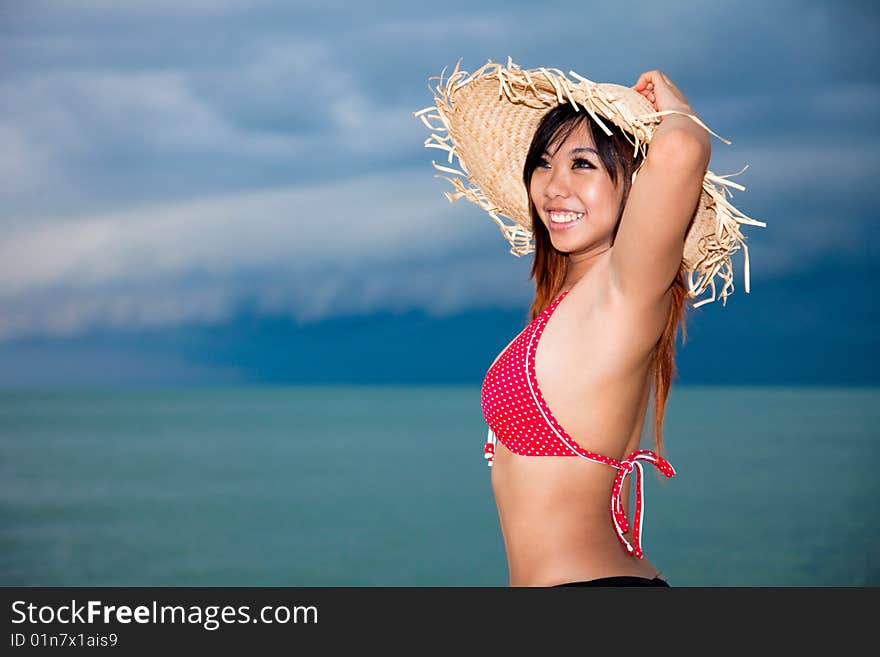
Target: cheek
[[604, 193], [535, 190]]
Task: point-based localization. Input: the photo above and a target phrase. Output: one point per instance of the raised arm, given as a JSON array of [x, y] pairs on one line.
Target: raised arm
[[649, 245]]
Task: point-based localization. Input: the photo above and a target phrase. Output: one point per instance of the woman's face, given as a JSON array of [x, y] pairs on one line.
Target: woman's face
[[575, 180]]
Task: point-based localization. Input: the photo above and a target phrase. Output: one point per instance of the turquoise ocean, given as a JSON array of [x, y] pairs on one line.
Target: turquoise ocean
[[387, 486]]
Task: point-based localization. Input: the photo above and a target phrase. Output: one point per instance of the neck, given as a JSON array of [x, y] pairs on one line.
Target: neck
[[581, 264]]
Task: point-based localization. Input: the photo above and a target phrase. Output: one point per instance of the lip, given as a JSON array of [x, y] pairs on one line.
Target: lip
[[566, 226]]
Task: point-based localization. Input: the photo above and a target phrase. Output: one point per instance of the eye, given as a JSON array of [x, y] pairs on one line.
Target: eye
[[578, 164]]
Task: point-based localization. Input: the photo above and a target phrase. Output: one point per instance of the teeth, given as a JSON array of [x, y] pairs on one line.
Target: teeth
[[565, 217]]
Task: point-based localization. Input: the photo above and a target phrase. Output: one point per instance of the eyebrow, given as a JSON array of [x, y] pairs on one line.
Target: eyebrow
[[575, 151]]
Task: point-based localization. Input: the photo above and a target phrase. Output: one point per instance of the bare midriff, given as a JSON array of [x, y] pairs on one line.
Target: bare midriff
[[555, 515], [555, 511], [556, 520]]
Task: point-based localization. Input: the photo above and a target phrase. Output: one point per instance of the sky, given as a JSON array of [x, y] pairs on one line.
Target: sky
[[215, 192]]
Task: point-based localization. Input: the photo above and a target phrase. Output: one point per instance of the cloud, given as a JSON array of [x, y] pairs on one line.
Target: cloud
[[194, 261], [173, 161], [87, 137], [824, 169], [72, 116], [800, 242]]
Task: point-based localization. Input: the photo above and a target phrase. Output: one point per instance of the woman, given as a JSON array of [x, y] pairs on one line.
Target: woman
[[615, 255]]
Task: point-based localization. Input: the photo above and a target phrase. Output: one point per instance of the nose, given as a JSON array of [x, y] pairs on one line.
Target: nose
[[557, 183]]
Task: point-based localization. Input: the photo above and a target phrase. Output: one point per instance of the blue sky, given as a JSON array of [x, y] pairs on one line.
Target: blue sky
[[237, 192]]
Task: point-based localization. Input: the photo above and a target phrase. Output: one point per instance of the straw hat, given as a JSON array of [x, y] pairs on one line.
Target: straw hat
[[489, 118]]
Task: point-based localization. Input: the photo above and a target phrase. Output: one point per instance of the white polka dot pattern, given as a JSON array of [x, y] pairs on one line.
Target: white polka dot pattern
[[520, 418]]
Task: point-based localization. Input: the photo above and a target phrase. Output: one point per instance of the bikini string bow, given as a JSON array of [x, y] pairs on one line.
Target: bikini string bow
[[618, 513]]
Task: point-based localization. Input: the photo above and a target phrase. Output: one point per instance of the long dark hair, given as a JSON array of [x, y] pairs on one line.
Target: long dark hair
[[549, 267]]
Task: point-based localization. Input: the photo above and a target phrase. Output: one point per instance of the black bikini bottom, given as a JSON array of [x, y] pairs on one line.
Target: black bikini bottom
[[622, 580]]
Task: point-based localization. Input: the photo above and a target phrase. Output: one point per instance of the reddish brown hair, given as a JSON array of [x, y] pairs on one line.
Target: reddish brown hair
[[549, 267]]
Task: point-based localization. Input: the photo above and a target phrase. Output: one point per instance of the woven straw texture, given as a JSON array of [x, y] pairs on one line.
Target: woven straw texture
[[486, 120]]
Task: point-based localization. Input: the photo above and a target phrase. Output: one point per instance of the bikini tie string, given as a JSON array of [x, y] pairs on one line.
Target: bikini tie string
[[618, 513], [489, 448]]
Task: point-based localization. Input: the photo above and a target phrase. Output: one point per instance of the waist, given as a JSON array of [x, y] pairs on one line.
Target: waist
[[619, 491], [550, 504], [550, 553]]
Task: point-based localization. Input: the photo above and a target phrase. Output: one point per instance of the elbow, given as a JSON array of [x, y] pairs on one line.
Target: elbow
[[683, 148]]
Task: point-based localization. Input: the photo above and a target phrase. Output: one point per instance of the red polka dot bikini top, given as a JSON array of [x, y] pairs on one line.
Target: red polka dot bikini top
[[517, 415]]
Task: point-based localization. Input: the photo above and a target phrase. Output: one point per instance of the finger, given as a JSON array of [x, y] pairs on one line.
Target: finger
[[659, 78]]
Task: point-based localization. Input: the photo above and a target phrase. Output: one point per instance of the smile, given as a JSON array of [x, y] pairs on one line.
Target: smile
[[563, 220]]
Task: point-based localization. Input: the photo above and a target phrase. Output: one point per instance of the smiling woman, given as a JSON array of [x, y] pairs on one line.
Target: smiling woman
[[602, 163], [616, 229]]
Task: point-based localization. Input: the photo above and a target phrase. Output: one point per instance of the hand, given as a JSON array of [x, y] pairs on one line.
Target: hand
[[661, 93]]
